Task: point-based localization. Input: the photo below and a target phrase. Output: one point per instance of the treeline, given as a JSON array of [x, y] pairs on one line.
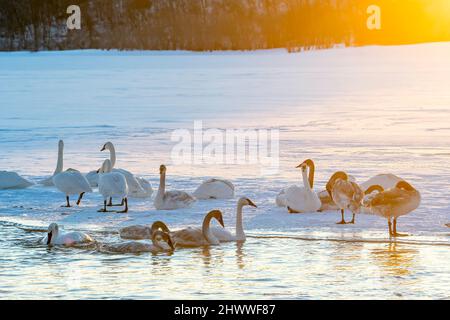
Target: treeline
[[214, 24]]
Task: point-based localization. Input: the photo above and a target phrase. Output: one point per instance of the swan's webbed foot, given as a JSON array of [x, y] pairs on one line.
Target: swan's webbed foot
[[290, 210], [397, 234], [125, 200], [341, 222], [103, 210], [351, 222], [66, 206]]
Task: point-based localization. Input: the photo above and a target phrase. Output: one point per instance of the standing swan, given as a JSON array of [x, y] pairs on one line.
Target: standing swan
[[69, 182], [395, 202], [54, 237], [137, 187], [215, 189], [140, 247], [303, 199], [223, 235], [11, 180], [346, 194], [197, 237], [112, 184], [170, 200]]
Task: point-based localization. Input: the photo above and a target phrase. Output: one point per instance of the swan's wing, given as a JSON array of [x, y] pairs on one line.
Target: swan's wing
[[179, 197], [387, 181], [215, 189], [223, 235], [71, 182], [281, 199], [11, 180], [135, 233], [133, 185], [113, 184], [130, 247], [92, 178], [189, 237]]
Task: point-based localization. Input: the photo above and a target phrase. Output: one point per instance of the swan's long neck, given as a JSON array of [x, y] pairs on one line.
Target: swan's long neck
[[112, 155], [162, 186], [240, 234], [207, 231], [306, 181], [60, 163], [312, 170]]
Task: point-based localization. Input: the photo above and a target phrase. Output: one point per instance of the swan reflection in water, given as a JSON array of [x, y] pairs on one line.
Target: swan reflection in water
[[395, 259]]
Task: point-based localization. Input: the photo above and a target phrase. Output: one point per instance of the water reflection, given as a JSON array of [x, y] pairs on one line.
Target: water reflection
[[240, 255], [395, 259]]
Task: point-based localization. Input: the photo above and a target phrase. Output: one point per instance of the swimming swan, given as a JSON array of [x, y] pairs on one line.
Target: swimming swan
[[11, 180], [303, 199], [140, 232], [197, 237], [54, 237], [170, 200], [112, 184], [69, 182], [224, 235], [346, 194], [395, 202], [140, 247], [215, 189]]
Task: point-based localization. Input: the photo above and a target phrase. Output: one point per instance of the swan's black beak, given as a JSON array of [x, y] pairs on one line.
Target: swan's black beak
[[250, 203], [103, 149], [49, 238], [98, 171], [170, 243], [220, 219]]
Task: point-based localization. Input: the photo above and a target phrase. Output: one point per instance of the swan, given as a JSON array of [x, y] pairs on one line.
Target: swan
[[215, 189], [54, 237], [71, 181], [11, 180], [223, 235], [139, 232], [140, 247], [327, 201], [197, 237], [395, 202], [59, 166], [369, 195], [346, 194], [138, 187], [170, 200], [387, 181], [303, 199], [112, 184]]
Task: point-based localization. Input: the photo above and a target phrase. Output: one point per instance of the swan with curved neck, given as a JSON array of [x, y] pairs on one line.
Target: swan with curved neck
[[55, 237], [59, 166], [346, 194], [394, 203], [71, 181], [112, 184], [140, 247], [224, 235], [303, 199], [170, 200], [197, 237]]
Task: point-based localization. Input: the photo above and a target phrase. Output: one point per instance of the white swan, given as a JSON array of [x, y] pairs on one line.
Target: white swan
[[303, 199], [326, 199], [140, 232], [346, 194], [112, 184], [197, 237], [395, 202], [59, 166], [137, 187], [170, 200], [215, 189], [11, 180], [54, 237], [140, 247], [69, 182], [224, 235]]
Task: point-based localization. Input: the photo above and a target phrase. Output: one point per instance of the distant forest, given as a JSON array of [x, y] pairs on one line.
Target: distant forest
[[216, 24]]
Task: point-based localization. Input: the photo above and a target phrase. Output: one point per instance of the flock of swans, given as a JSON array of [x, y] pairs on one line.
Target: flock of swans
[[385, 195]]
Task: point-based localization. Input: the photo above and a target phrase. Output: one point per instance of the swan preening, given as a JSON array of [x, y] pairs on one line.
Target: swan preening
[[69, 182], [137, 187], [301, 199], [215, 189], [112, 184], [55, 237], [170, 200], [395, 202], [346, 194], [11, 180], [161, 242]]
